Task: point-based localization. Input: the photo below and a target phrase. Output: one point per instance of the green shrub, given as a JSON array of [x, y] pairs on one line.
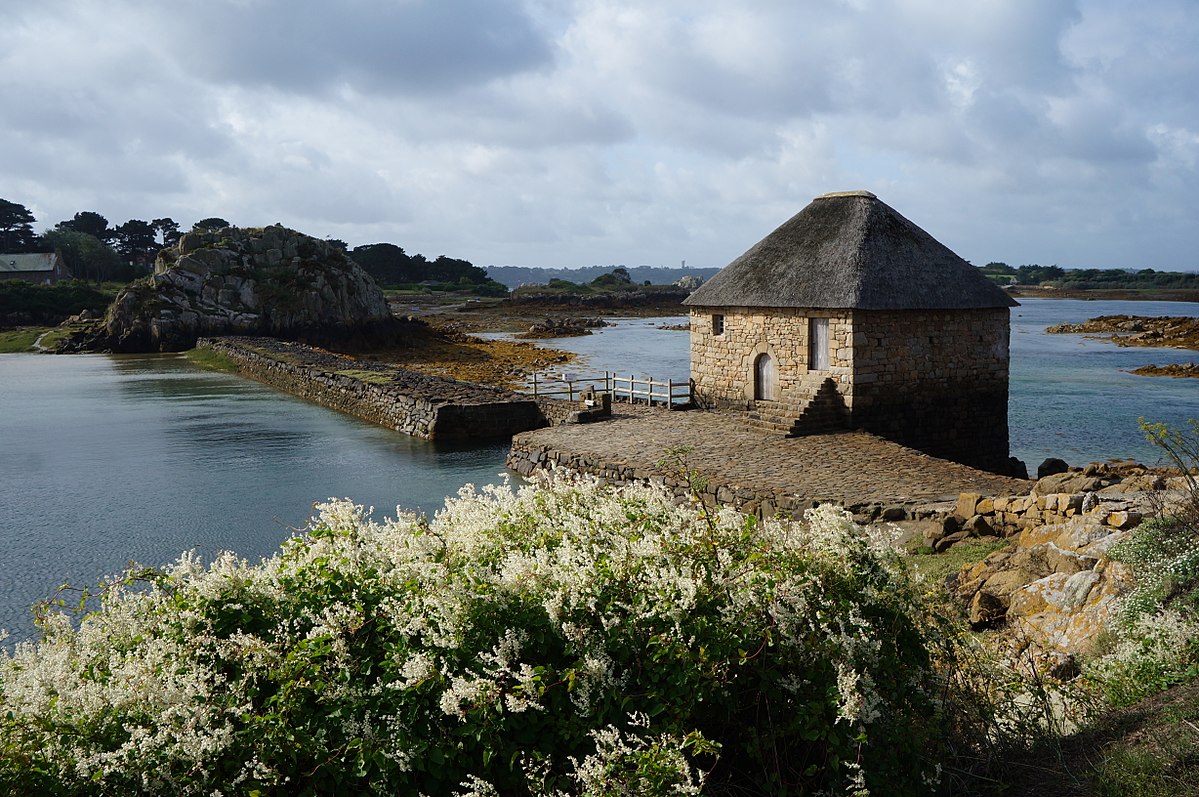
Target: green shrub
[[1156, 637], [51, 303], [571, 639]]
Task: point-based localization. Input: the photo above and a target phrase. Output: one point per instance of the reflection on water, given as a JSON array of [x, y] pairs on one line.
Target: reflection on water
[[104, 460]]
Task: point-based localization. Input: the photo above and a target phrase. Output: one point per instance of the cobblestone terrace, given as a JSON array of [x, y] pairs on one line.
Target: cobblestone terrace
[[756, 471]]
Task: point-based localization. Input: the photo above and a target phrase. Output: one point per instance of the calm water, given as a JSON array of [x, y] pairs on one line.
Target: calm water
[[1072, 396], [109, 459]]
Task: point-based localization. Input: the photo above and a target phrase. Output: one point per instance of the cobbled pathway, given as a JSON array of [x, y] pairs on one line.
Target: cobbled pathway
[[757, 471]]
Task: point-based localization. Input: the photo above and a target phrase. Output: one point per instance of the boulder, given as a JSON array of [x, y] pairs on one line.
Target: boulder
[[966, 504], [269, 281], [1051, 466], [1068, 482], [986, 609], [979, 527], [1017, 468], [946, 542]]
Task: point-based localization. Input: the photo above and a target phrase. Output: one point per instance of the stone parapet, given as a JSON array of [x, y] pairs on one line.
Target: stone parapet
[[430, 407]]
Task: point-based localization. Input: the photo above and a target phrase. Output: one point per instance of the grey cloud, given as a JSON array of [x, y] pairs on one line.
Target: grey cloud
[[382, 46]]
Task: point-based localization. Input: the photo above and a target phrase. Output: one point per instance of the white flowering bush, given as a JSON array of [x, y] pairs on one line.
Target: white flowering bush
[[564, 639], [1155, 639]]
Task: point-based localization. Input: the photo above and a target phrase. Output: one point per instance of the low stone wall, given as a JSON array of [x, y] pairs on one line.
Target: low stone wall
[[430, 407], [556, 411]]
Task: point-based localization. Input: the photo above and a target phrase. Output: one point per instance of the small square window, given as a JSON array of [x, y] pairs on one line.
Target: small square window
[[717, 325]]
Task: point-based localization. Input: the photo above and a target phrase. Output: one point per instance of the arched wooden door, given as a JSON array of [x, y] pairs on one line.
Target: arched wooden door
[[764, 378]]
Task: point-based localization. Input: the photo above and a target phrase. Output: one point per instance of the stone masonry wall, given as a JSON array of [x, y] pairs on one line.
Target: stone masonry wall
[[430, 407], [722, 366], [936, 381]]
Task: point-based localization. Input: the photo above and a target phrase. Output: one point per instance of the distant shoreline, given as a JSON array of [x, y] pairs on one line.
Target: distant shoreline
[[1106, 294]]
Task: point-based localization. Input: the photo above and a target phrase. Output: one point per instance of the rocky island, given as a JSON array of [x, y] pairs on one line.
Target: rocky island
[[1175, 332], [243, 281]]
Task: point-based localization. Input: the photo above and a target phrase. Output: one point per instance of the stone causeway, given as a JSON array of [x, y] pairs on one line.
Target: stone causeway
[[430, 407], [755, 471]]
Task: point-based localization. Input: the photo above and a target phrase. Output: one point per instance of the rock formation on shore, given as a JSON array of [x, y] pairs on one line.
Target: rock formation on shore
[[1180, 332], [1053, 588], [269, 281]]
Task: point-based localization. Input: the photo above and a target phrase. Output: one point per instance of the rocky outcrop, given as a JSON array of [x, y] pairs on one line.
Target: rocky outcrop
[[646, 296], [1177, 370], [269, 281], [1054, 587], [1126, 330], [563, 327]]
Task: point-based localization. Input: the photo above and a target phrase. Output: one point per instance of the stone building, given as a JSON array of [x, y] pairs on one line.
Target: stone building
[[40, 268], [849, 316]]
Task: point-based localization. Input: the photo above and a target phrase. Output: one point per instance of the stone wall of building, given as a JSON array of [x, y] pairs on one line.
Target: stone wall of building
[[936, 381], [430, 407], [722, 365]]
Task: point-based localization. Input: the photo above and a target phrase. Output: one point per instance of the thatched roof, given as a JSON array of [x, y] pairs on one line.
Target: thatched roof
[[850, 250]]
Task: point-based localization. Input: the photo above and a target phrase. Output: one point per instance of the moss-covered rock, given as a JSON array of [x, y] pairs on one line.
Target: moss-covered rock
[[269, 281]]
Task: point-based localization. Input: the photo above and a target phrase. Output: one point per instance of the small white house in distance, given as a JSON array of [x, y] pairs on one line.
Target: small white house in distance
[[850, 316], [40, 268]]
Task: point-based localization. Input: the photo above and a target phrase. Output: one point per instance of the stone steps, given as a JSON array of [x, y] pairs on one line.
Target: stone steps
[[821, 416]]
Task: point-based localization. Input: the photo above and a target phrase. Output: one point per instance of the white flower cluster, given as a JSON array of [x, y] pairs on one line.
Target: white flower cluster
[[356, 617]]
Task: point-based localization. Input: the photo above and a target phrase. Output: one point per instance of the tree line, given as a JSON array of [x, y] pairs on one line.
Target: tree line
[[1085, 279], [95, 250], [91, 247]]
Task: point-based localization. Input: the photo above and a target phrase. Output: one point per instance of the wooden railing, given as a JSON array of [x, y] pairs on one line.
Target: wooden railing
[[645, 390]]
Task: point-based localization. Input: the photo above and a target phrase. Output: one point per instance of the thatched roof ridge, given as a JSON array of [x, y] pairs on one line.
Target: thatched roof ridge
[[850, 250]]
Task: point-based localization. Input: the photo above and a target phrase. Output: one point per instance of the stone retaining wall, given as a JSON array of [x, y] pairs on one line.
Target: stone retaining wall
[[430, 407]]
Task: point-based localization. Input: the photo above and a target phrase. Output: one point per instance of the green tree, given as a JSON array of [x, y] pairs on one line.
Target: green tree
[[136, 242], [387, 263], [1035, 274], [16, 227], [452, 269], [618, 276], [89, 223], [211, 223], [87, 256], [168, 228]]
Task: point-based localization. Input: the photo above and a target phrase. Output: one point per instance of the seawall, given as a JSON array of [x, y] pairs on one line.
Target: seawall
[[430, 407], [717, 458]]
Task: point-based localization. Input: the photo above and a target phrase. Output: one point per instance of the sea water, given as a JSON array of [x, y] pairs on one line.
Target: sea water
[[108, 459]]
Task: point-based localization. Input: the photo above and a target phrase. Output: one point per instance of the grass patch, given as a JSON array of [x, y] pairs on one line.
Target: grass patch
[[1149, 749], [213, 361], [13, 341], [370, 377], [936, 567], [56, 336]]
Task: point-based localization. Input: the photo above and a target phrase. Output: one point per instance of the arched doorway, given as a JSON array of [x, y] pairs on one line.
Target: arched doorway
[[764, 378]]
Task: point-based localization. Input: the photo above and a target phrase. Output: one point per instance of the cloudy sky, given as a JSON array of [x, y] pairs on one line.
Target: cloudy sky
[[578, 132]]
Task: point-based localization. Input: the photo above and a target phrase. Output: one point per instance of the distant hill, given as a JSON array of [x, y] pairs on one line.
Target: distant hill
[[515, 276]]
